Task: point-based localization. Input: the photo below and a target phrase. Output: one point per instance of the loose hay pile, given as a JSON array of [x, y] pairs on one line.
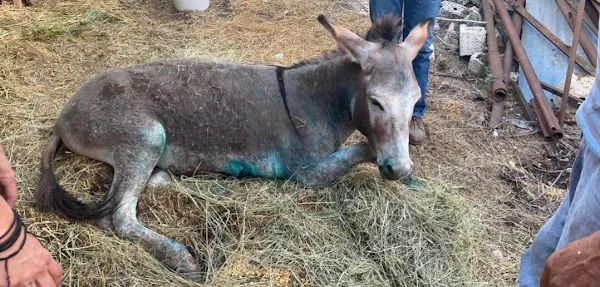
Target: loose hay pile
[[362, 231]]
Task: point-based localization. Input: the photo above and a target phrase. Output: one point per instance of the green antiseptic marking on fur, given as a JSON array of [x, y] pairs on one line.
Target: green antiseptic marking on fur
[[277, 167], [156, 136], [272, 167], [242, 168]]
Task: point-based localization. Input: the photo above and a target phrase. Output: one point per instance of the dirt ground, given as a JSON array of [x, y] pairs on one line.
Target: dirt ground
[[482, 196]]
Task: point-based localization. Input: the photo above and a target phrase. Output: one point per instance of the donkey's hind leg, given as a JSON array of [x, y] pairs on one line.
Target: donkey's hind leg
[[168, 251], [135, 165]]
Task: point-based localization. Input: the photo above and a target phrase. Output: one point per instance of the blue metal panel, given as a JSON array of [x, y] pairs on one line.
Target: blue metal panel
[[550, 63]]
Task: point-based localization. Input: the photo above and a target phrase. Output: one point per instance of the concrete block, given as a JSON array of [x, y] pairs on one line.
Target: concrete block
[[452, 10], [471, 40]]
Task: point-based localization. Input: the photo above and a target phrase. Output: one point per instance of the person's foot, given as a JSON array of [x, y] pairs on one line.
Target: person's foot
[[416, 131]]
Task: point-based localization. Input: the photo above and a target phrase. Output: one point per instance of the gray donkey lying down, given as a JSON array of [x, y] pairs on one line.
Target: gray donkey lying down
[[241, 120]]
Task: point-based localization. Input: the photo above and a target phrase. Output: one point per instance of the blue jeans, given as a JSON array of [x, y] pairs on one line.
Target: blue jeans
[[578, 216], [416, 12]]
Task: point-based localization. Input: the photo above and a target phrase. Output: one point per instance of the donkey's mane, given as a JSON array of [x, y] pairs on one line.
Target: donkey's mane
[[384, 30]]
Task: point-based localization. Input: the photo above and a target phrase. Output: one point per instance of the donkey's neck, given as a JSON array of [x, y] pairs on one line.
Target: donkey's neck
[[331, 84]]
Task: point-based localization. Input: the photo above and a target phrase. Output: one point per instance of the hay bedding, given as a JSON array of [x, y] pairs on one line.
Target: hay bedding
[[360, 232]]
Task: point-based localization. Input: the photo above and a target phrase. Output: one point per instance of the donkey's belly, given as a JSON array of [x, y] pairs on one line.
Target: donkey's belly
[[268, 167], [189, 162]]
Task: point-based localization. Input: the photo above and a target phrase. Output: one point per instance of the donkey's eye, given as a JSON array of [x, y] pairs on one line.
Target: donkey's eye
[[376, 103]]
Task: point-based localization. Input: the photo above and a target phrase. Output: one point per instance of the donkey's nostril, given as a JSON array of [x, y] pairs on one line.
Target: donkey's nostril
[[393, 169], [389, 168]]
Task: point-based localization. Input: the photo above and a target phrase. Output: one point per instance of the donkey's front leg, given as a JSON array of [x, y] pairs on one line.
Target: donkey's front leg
[[333, 166]]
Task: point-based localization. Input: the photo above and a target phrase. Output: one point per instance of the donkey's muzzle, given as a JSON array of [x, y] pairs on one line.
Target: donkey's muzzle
[[393, 169]]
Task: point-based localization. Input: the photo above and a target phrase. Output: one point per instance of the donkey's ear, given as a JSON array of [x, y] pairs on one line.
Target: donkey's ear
[[417, 38], [355, 46]]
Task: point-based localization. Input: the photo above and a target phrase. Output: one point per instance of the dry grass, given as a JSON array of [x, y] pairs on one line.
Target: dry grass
[[466, 225]]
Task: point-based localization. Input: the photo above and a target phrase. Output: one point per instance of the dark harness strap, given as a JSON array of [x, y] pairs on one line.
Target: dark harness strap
[[279, 71]]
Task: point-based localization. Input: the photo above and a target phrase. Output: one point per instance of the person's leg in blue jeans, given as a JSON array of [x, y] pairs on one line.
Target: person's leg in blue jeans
[[578, 216], [415, 12], [378, 8]]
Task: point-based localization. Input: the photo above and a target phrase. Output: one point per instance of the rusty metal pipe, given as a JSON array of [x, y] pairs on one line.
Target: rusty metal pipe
[[532, 79], [590, 68], [586, 18], [573, 100], [495, 64], [508, 53], [543, 124], [532, 111], [576, 38], [584, 40], [592, 8]]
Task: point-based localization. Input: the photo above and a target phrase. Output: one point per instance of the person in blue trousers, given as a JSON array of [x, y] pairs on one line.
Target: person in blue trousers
[[415, 11], [563, 250]]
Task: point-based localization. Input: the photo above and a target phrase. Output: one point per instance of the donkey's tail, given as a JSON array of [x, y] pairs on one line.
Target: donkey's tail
[[50, 196]]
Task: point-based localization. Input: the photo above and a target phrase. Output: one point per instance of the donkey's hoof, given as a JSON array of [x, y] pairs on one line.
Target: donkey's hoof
[[187, 267], [198, 277], [192, 272]]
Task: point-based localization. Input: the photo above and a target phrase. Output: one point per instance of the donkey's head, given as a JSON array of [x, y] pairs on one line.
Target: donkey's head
[[383, 108]]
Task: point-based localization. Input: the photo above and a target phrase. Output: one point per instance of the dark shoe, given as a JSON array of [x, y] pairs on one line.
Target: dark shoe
[[416, 131]]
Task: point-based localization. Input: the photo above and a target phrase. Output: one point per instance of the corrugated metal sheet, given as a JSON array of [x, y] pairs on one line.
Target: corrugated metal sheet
[[549, 63]]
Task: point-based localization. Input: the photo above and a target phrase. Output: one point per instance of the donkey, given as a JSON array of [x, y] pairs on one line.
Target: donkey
[[184, 116]]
